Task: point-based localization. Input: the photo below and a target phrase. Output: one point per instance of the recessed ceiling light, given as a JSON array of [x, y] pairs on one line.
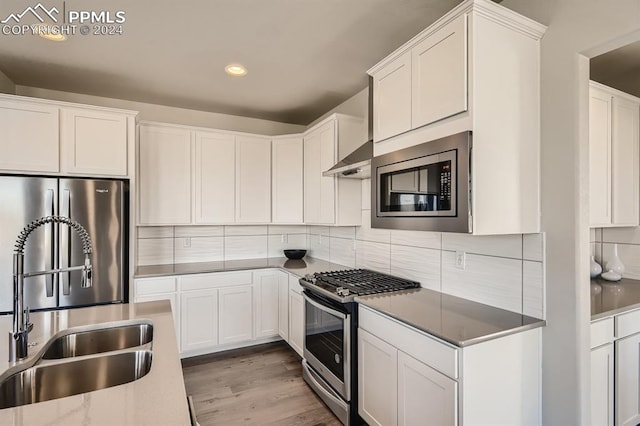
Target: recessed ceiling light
[[45, 31], [236, 70]]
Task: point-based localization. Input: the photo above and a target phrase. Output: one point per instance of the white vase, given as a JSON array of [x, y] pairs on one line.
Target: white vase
[[594, 268], [615, 264]]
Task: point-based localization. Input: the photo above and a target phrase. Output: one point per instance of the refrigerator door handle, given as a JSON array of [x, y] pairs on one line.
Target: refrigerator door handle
[[49, 243], [65, 243]]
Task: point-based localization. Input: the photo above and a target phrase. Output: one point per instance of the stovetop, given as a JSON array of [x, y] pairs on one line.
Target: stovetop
[[345, 285]]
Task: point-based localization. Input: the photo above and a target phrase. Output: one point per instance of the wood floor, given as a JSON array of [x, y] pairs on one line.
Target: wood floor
[[260, 385]]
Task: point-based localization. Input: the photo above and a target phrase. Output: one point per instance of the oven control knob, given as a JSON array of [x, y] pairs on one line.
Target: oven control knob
[[337, 358], [343, 292], [310, 278]]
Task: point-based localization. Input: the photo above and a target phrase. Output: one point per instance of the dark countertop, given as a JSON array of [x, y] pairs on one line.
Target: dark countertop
[[610, 298], [458, 321], [301, 267]]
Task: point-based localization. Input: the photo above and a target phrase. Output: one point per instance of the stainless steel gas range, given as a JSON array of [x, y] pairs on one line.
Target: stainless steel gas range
[[330, 338]]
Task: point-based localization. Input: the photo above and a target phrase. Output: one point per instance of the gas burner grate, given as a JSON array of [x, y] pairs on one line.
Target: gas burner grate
[[364, 281]]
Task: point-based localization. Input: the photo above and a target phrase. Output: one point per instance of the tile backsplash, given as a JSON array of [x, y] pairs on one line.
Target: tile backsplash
[[628, 241], [506, 271]]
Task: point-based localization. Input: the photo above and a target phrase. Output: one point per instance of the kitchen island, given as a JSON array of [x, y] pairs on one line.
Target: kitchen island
[[157, 398]]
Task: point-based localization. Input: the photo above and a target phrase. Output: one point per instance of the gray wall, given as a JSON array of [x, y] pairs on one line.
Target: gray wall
[[576, 28], [166, 114], [6, 85]]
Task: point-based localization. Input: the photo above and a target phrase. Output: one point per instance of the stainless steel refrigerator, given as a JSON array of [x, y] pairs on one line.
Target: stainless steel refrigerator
[[100, 206]]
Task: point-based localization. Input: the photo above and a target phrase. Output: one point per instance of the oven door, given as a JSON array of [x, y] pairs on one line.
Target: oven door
[[327, 342]]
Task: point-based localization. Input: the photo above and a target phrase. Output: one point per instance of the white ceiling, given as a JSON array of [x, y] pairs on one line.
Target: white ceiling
[[304, 56]]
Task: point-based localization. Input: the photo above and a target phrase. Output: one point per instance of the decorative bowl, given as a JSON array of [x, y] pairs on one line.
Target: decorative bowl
[[295, 254]]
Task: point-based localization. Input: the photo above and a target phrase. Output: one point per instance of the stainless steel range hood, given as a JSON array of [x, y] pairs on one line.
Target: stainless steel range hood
[[357, 165]]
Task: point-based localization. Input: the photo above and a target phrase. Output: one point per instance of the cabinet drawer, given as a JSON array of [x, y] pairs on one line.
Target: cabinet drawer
[[627, 324], [222, 279], [155, 286], [419, 345], [601, 332]]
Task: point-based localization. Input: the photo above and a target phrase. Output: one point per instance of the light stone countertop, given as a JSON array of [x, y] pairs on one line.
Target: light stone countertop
[[611, 298], [458, 321], [158, 398], [300, 268]]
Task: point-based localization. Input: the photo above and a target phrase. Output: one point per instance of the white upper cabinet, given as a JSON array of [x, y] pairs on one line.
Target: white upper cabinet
[[214, 178], [327, 199], [196, 176], [253, 179], [392, 98], [444, 80], [319, 155], [30, 132], [61, 138], [439, 74], [164, 175], [94, 142], [614, 141], [287, 180]]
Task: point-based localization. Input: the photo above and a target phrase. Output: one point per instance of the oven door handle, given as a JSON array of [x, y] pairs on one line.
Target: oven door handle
[[324, 307]]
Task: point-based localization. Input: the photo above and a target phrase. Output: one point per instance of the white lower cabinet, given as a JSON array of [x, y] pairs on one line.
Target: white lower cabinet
[[226, 310], [267, 302], [283, 306], [424, 393], [627, 380], [396, 389], [602, 385], [235, 306], [408, 377], [377, 380], [199, 319], [296, 316]]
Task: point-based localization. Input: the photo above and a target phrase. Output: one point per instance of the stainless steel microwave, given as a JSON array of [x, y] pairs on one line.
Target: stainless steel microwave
[[424, 187]]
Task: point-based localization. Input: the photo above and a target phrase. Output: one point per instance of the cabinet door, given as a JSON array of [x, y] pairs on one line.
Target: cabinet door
[[602, 386], [296, 321], [199, 319], [424, 393], [94, 142], [377, 380], [267, 292], [165, 175], [214, 178], [392, 98], [625, 139], [319, 191], [253, 180], [236, 314], [627, 380], [287, 180], [283, 305], [31, 137], [599, 157], [439, 74]]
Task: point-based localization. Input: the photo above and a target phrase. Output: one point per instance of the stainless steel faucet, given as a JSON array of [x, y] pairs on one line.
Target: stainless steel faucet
[[18, 338]]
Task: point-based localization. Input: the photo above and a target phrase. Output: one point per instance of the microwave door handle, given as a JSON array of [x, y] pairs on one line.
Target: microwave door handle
[[65, 244], [49, 244], [324, 308]]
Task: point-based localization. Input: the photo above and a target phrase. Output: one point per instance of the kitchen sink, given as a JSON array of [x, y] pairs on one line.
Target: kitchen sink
[[88, 341], [54, 379]]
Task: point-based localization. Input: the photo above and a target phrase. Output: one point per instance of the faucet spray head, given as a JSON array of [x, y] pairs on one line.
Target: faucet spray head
[[87, 279]]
